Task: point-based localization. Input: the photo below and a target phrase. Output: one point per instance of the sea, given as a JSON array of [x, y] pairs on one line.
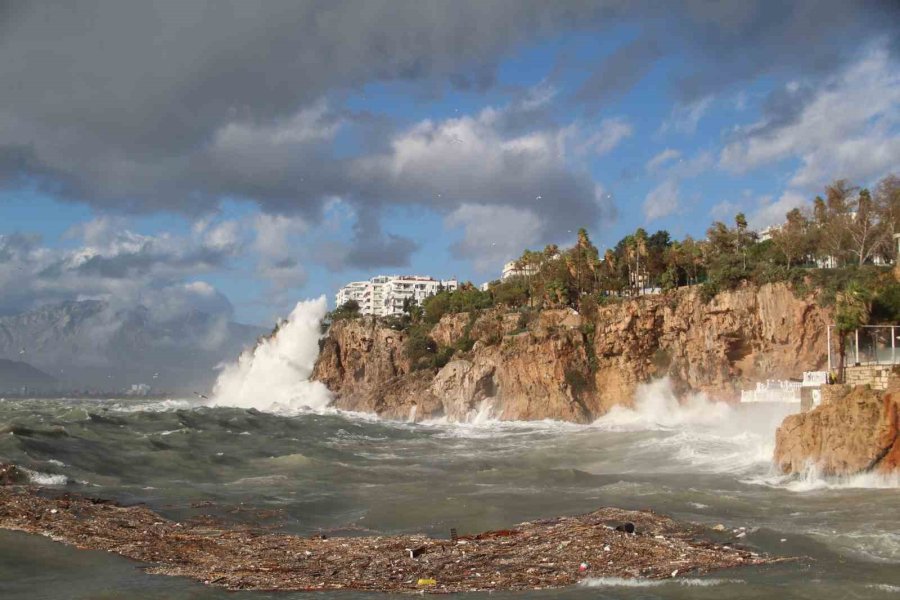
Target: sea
[[286, 461]]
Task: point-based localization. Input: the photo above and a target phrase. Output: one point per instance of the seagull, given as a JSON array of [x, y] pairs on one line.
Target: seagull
[[201, 396], [22, 351]]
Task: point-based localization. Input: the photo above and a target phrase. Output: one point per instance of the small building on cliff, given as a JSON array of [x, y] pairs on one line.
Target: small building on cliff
[[385, 295]]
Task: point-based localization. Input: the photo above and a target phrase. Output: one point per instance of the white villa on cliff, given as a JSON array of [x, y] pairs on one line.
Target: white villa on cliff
[[384, 295]]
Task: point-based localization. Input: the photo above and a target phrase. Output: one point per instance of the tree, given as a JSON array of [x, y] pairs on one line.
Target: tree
[[721, 239], [887, 204], [347, 310], [635, 250], [852, 311], [657, 245], [582, 262], [866, 234], [834, 230], [530, 264], [743, 237], [412, 309], [792, 240]]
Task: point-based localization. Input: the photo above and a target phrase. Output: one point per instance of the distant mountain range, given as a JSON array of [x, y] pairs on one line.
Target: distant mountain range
[[89, 344], [15, 375]]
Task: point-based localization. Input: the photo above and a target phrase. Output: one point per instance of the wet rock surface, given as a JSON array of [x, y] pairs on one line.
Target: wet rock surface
[[540, 554]]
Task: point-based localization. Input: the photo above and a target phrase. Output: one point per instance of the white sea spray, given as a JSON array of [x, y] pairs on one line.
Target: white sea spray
[[275, 375]]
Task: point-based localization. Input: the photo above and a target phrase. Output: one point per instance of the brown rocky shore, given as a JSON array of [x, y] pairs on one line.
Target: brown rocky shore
[[854, 430], [541, 554], [558, 364]]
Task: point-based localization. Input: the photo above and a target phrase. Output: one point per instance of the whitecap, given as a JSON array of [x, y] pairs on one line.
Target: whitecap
[[39, 478]]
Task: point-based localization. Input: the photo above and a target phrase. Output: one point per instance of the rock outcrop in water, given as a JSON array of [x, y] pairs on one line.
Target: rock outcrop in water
[[550, 553], [558, 364], [854, 432]]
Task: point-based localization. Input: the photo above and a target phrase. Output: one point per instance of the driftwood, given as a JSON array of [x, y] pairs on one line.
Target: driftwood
[[548, 553]]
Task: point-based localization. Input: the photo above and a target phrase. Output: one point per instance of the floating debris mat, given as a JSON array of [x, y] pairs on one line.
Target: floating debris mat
[[541, 554]]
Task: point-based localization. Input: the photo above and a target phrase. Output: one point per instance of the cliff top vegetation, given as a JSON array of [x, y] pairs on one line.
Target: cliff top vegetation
[[843, 238]]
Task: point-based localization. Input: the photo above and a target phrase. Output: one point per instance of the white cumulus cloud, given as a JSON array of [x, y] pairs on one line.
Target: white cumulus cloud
[[662, 201]]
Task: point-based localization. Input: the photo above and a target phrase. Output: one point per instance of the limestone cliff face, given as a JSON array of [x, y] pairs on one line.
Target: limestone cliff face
[[740, 337], [557, 364], [855, 432]]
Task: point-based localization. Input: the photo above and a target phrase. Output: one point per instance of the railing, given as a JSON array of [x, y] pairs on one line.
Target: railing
[[773, 391], [868, 345]]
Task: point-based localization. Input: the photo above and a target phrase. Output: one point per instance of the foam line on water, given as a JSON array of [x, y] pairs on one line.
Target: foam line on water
[[812, 480], [643, 583]]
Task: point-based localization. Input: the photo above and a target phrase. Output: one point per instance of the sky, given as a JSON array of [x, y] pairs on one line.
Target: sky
[[236, 156]]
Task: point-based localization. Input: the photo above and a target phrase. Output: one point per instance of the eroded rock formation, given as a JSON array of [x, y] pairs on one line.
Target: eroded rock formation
[[854, 432], [558, 364]]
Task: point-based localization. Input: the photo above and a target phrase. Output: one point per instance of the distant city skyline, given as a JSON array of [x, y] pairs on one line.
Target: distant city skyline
[[235, 158]]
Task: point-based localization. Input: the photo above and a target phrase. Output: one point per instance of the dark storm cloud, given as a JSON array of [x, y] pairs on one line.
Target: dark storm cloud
[[123, 97], [726, 43], [731, 42], [173, 105], [619, 73], [383, 250]]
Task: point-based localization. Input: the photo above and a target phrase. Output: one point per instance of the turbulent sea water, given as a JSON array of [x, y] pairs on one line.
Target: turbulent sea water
[[338, 473], [299, 467]]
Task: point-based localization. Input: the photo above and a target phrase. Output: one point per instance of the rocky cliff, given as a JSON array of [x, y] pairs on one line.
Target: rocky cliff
[[558, 364], [855, 431]]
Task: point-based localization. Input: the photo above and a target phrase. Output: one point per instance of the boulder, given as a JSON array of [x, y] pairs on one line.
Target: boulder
[[855, 432]]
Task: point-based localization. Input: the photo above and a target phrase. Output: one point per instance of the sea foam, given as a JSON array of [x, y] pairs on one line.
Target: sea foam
[[706, 434]]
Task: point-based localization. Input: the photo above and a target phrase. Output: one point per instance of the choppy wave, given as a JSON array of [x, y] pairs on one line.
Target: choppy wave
[[275, 375], [166, 405]]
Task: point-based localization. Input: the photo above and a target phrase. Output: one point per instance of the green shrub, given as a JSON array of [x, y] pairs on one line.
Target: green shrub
[[576, 381], [886, 304], [466, 299], [513, 292], [708, 291], [443, 356], [348, 310], [420, 348]]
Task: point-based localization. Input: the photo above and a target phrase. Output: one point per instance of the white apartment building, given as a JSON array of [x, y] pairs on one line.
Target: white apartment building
[[511, 269], [384, 295]]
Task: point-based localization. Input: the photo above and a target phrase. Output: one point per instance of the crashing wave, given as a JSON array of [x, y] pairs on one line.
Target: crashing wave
[[275, 375]]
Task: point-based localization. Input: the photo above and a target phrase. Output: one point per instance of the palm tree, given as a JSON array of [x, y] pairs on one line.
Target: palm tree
[[854, 306]]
